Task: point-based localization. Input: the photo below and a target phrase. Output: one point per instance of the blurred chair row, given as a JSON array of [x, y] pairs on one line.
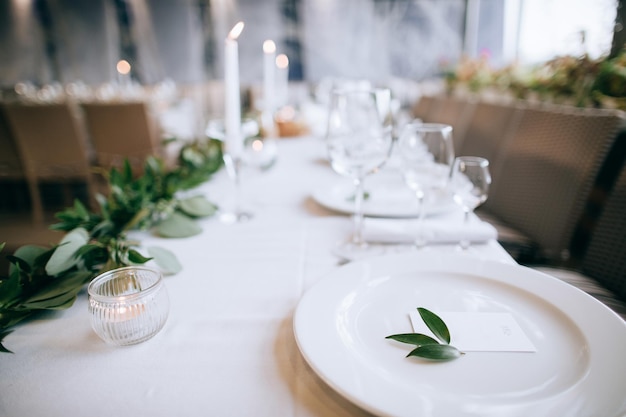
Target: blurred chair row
[[558, 195], [602, 271], [64, 143]]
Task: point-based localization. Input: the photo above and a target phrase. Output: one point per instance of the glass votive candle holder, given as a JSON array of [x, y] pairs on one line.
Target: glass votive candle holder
[[128, 305]]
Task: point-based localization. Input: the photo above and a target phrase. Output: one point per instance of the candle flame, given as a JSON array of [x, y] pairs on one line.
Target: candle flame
[[269, 47], [123, 67], [257, 145], [236, 31], [282, 61]]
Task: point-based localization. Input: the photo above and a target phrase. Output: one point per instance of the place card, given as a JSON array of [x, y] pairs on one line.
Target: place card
[[480, 332]]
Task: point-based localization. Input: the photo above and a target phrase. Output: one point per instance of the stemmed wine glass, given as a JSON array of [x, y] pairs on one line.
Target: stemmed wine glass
[[234, 167], [358, 141], [469, 181], [236, 155], [427, 154]]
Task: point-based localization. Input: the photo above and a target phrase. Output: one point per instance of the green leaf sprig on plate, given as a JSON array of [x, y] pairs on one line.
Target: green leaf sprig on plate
[[352, 197], [426, 346]]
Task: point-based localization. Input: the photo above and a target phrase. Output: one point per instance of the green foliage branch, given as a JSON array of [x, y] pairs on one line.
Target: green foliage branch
[[50, 278]]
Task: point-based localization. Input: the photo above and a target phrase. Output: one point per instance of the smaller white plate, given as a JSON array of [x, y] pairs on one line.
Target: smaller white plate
[[387, 196]]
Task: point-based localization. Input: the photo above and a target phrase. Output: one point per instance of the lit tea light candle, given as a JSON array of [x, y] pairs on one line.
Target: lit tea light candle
[[282, 79], [269, 54], [120, 314], [232, 111], [123, 69], [263, 153]]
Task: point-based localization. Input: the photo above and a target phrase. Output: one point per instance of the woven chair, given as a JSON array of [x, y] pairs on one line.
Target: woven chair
[[424, 106], [602, 272], [456, 112], [120, 131], [10, 161], [52, 145], [12, 173], [488, 128], [544, 173]]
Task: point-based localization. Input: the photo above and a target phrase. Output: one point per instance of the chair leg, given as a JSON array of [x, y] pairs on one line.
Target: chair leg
[[35, 200]]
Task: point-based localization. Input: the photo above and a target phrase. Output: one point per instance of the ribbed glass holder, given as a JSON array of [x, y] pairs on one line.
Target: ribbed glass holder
[[128, 305]]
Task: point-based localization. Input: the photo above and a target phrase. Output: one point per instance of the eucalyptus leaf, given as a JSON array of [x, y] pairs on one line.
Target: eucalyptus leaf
[[435, 324], [197, 206], [27, 253], [63, 257], [136, 257], [16, 262], [3, 334], [60, 302], [80, 209], [10, 291], [436, 352], [165, 259], [178, 225], [417, 339], [10, 317], [68, 283]]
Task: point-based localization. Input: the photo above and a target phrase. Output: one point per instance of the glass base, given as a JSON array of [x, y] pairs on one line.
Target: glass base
[[351, 251], [235, 217]]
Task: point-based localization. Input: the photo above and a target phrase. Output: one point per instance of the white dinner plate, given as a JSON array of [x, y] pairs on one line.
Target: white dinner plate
[[387, 196], [578, 368]]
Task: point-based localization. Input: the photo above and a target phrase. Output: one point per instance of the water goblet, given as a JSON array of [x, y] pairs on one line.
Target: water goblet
[[469, 181], [236, 156], [427, 153], [358, 141]]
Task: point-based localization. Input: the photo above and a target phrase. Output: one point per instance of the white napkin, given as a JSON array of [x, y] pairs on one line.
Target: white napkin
[[448, 228]]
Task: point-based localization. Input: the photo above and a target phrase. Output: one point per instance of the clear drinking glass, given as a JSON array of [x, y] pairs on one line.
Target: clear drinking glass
[[427, 153], [469, 180], [128, 305], [234, 166], [359, 142]]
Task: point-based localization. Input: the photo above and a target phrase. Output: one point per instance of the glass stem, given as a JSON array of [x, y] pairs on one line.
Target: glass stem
[[420, 240], [465, 241], [233, 168], [357, 235], [237, 181]]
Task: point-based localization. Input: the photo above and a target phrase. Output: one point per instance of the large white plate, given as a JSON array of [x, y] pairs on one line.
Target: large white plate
[[388, 197], [578, 369]]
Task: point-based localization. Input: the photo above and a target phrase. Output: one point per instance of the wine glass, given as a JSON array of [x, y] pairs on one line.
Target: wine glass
[[427, 153], [236, 155], [469, 181], [358, 141]]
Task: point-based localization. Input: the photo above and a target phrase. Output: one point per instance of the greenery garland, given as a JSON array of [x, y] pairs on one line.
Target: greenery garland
[[577, 80], [50, 278]]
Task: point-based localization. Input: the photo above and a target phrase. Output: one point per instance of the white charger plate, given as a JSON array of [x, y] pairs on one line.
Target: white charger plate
[[578, 369], [389, 196]]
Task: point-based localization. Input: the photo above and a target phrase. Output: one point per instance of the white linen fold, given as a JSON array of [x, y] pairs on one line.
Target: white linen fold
[[449, 228]]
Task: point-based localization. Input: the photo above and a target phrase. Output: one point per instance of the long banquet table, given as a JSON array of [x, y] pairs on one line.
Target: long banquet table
[[228, 347]]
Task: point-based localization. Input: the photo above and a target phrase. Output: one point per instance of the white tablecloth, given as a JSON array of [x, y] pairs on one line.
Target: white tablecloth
[[228, 347]]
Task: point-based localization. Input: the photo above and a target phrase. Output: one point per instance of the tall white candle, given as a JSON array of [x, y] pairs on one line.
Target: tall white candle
[[232, 100], [269, 75], [282, 80]]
